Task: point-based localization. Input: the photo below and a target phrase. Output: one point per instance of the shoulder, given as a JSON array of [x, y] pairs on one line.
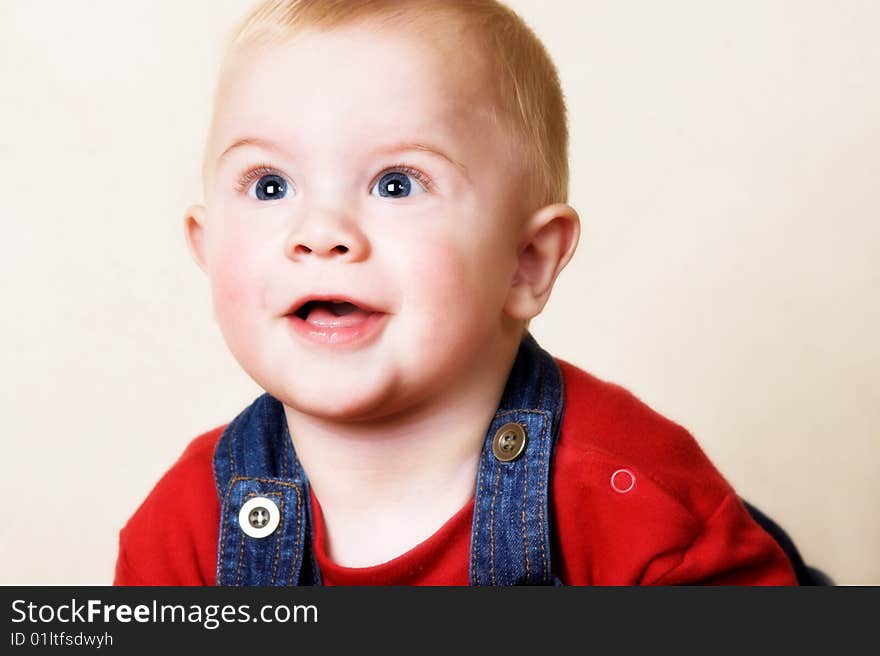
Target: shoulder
[[605, 422], [636, 500], [171, 539]]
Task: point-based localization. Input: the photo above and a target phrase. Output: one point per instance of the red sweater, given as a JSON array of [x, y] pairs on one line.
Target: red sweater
[[634, 500]]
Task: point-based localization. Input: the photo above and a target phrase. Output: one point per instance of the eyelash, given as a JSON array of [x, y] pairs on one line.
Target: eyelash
[[253, 174], [266, 169]]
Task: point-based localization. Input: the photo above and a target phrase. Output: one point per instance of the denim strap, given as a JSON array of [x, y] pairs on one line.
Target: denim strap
[[510, 541], [255, 458]]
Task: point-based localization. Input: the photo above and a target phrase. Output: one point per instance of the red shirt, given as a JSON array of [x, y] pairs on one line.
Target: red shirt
[[634, 500]]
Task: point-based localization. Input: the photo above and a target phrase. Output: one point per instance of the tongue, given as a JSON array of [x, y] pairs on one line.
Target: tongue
[[324, 317]]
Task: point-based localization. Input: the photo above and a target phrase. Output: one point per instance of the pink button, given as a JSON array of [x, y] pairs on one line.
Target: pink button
[[623, 480]]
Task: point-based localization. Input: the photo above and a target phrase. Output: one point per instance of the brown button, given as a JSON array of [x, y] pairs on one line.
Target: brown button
[[509, 442]]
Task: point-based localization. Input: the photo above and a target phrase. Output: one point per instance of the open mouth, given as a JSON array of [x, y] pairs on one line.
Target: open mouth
[[332, 313], [327, 308], [335, 321]]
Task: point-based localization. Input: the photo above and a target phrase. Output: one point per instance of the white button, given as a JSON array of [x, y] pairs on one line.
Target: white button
[[259, 517], [623, 480]]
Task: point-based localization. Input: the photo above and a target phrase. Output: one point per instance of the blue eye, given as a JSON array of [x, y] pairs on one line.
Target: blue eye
[[270, 187], [398, 184], [401, 182]]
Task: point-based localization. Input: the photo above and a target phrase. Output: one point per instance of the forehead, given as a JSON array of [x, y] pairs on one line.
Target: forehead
[[354, 83]]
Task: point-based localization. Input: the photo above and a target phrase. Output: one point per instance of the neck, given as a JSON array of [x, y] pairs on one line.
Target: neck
[[388, 484]]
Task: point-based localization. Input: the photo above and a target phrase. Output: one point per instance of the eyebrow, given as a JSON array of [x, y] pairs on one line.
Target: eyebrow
[[270, 145]]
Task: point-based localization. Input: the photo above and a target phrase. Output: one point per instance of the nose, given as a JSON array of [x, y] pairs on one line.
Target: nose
[[327, 235]]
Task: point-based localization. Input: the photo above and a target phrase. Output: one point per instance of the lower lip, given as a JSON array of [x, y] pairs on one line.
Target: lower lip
[[357, 334]]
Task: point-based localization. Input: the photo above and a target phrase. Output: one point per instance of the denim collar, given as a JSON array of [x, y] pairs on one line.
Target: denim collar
[[510, 541]]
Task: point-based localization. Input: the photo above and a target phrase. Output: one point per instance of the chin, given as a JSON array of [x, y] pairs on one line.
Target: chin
[[343, 403]]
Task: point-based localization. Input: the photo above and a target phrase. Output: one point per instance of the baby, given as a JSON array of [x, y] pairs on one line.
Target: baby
[[385, 188]]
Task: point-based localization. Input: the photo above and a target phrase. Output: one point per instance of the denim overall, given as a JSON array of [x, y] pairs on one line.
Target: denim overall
[[510, 539]]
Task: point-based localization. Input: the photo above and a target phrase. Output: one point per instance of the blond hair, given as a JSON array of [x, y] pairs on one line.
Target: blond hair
[[532, 105]]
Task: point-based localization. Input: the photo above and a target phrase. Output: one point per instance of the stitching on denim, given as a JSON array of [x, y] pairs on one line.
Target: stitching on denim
[[296, 545], [542, 471], [247, 496], [311, 541], [273, 481], [298, 505], [223, 532], [240, 560], [295, 487], [316, 574], [264, 427], [222, 516], [544, 438], [498, 416], [492, 527], [214, 465], [475, 537], [279, 529], [222, 549], [241, 548], [523, 517], [232, 438]]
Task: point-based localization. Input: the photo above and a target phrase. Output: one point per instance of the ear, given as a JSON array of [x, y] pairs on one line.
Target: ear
[[548, 242], [194, 228]]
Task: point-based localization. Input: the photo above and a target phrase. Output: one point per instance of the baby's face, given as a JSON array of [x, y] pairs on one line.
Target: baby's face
[[366, 171]]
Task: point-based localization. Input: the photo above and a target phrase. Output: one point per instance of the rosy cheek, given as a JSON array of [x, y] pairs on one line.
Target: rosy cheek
[[233, 287], [228, 293], [436, 266], [438, 282]]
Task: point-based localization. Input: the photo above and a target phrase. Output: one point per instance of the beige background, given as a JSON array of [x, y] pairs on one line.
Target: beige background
[[725, 164]]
